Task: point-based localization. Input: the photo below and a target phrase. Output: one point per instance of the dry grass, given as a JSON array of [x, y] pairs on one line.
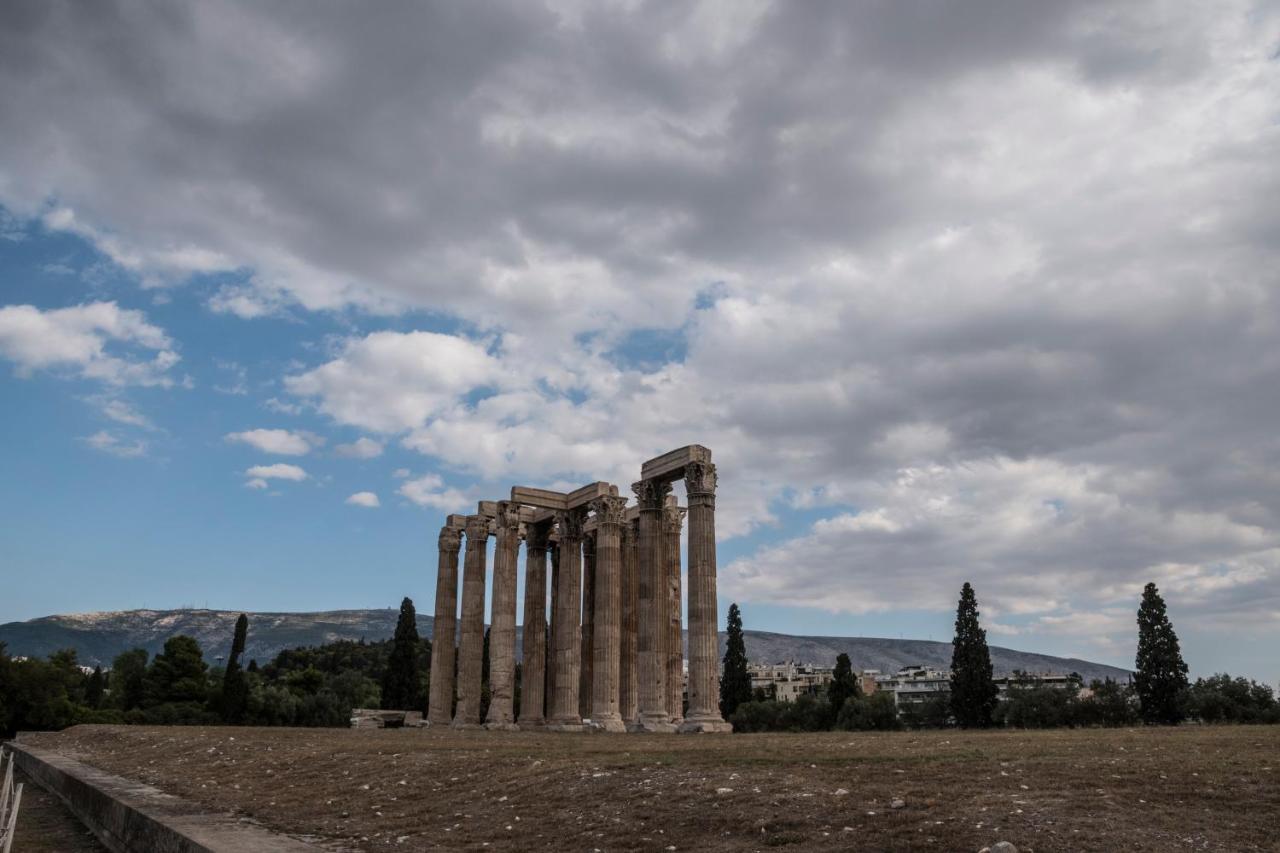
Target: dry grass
[[1192, 788]]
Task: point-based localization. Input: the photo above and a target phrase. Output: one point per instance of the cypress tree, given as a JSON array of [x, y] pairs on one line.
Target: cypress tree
[[735, 684], [973, 690], [400, 680], [844, 685], [1161, 677], [235, 684], [94, 688]]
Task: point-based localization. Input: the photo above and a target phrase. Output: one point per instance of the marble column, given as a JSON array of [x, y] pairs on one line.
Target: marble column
[[673, 521], [471, 641], [502, 631], [651, 495], [445, 633], [550, 697], [588, 623], [568, 639], [607, 633], [704, 677], [628, 695], [534, 677]]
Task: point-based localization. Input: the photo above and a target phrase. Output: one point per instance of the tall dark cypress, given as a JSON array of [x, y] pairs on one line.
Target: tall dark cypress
[[735, 683], [235, 684], [973, 690], [1161, 677], [400, 680], [844, 685]]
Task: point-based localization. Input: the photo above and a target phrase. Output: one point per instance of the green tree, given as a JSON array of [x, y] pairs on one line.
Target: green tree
[[94, 687], [128, 673], [843, 687], [875, 713], [400, 680], [1161, 677], [735, 684], [973, 690], [176, 675], [235, 684]]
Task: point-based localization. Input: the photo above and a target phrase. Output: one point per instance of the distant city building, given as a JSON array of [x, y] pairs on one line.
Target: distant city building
[[788, 681]]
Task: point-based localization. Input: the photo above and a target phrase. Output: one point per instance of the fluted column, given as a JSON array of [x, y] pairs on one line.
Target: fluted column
[[704, 681], [651, 495], [550, 700], [471, 641], [534, 677], [607, 635], [673, 521], [628, 694], [445, 633], [588, 623], [568, 639], [502, 632]]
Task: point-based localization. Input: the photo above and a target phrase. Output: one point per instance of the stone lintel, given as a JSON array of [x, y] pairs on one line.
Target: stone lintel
[[489, 509], [457, 522], [670, 466], [543, 499], [588, 493]]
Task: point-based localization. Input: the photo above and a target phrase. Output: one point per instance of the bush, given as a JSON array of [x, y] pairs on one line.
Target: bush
[[1223, 699], [1038, 707], [874, 713]]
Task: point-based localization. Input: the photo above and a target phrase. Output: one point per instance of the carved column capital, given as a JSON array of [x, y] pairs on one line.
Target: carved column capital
[[609, 509], [700, 478], [450, 539], [508, 517], [477, 528], [536, 537], [651, 494], [673, 519], [570, 523]]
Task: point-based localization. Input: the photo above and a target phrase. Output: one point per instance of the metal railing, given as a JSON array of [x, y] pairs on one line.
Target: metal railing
[[10, 800]]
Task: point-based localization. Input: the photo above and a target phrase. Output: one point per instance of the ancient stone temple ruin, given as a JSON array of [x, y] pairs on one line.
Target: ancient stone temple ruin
[[609, 656]]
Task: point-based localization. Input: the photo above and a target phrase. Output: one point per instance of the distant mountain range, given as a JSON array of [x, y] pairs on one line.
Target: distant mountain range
[[99, 637]]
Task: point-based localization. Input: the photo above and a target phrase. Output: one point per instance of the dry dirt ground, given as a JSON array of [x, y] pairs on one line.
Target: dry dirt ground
[[1191, 788], [46, 826]]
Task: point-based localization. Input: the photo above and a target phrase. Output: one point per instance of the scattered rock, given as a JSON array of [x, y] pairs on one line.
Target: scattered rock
[[999, 847], [724, 791], [898, 804], [840, 792]]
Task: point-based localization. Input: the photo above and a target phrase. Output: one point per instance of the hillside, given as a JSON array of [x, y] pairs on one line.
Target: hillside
[[99, 637]]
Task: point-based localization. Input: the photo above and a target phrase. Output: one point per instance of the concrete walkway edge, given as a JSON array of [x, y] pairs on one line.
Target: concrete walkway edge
[[129, 817]]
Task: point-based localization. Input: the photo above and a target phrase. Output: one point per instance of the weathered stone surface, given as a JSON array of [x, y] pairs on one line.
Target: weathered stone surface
[[628, 677], [444, 649], [704, 675], [533, 684], [673, 644], [502, 633], [607, 634], [471, 641], [670, 466], [588, 623], [565, 714], [651, 497]]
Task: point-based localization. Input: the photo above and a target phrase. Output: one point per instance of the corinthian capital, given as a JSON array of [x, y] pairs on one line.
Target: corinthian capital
[[673, 519], [570, 523], [536, 537], [700, 478], [477, 528], [651, 494], [450, 538], [609, 509], [508, 517]]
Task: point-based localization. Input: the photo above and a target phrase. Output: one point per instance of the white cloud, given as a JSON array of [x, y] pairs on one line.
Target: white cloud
[[365, 499], [113, 445], [121, 412], [430, 491], [278, 471], [280, 407], [388, 381], [400, 473], [278, 441], [256, 483], [361, 448], [78, 339]]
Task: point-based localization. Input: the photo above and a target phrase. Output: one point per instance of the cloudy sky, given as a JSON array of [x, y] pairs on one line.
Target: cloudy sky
[[980, 291]]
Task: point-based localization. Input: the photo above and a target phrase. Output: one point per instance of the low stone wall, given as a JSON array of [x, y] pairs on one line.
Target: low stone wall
[[129, 817]]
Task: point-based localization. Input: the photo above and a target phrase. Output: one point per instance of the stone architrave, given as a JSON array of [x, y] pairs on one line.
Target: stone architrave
[[673, 521], [471, 641], [534, 677], [628, 694], [585, 680], [565, 715], [651, 496], [502, 633], [444, 634], [704, 680], [607, 632]]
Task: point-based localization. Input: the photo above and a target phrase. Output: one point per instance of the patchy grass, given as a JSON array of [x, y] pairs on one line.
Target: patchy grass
[[1190, 788]]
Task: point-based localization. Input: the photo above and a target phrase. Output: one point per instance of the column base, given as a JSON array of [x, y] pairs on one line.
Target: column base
[[606, 724], [501, 727], [531, 725], [705, 725], [566, 726], [439, 724], [658, 726]]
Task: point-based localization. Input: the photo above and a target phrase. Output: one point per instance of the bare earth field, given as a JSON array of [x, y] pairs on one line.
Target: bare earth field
[[1192, 788]]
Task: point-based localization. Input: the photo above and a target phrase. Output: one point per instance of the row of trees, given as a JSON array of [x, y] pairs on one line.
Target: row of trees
[[315, 686], [1160, 692]]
